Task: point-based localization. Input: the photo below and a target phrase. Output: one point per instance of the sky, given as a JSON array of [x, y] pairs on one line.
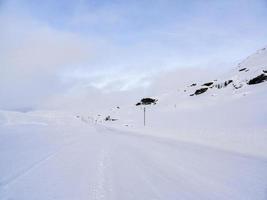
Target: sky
[[75, 52]]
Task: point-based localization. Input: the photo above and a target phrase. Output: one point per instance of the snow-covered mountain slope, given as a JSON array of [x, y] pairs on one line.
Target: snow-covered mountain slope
[[251, 71], [229, 114], [252, 66]]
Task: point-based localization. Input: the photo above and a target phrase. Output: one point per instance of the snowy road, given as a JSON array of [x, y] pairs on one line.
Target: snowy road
[[103, 163]]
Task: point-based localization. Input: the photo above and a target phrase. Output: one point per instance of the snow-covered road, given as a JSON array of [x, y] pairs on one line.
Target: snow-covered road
[[102, 163]]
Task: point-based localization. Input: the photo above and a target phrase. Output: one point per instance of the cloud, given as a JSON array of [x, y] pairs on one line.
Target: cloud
[[62, 51], [41, 48], [40, 63], [32, 57]]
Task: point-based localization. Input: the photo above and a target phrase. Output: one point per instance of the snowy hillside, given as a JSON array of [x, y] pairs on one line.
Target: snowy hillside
[[209, 145], [251, 71], [229, 114]]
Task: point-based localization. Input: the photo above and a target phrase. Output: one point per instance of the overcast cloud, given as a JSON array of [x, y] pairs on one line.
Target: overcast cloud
[[54, 54]]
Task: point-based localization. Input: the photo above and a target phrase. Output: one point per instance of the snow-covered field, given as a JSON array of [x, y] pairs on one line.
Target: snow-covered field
[[208, 146], [76, 160]]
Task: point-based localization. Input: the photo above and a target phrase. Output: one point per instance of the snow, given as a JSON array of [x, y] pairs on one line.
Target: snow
[[211, 146], [64, 162]]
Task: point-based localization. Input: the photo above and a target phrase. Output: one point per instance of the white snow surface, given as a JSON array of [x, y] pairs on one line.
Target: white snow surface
[[77, 160], [210, 146]]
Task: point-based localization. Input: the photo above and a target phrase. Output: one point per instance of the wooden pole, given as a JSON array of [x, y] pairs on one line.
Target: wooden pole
[[144, 116]]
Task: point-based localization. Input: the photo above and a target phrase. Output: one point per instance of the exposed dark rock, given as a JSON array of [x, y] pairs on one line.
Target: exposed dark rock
[[191, 95], [118, 107], [237, 86], [227, 82], [259, 79], [193, 84], [264, 71], [108, 118], [219, 86], [147, 101], [207, 84], [243, 69], [224, 84], [200, 91]]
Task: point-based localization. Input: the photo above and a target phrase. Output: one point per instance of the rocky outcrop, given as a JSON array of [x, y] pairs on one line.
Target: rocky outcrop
[[108, 118], [243, 69], [199, 91], [237, 86], [208, 84], [224, 84], [259, 79]]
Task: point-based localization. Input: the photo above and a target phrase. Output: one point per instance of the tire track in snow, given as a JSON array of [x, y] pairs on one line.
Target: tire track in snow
[[7, 182], [102, 189]]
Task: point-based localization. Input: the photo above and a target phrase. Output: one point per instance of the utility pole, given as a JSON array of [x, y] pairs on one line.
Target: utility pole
[[144, 102], [144, 116]]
